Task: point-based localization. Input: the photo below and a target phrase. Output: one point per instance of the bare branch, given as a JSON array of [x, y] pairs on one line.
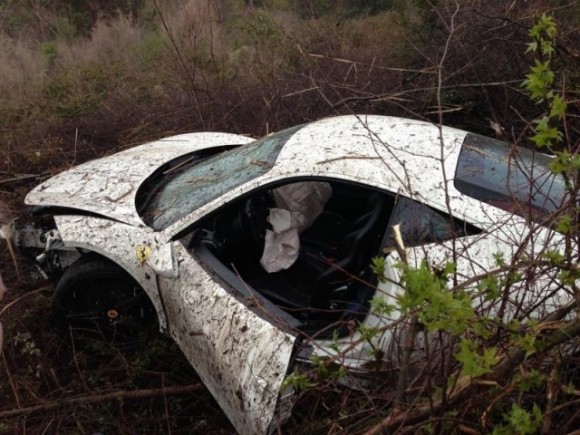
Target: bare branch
[[115, 395]]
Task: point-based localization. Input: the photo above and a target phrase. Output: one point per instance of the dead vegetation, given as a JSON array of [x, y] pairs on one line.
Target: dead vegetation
[[78, 82]]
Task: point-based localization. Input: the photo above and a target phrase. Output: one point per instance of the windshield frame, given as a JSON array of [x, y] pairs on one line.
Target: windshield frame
[[187, 186]]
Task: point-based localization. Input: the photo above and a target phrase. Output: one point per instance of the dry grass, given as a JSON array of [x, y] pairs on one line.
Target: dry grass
[[23, 72], [111, 43]]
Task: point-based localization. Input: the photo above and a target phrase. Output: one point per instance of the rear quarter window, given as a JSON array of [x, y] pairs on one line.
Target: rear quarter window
[[509, 177], [422, 225]]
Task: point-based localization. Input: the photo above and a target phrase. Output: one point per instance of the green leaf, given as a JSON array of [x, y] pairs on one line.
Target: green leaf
[[553, 256], [565, 224], [523, 422], [526, 342], [489, 286], [335, 346], [561, 163], [558, 107], [473, 363], [380, 307], [569, 388], [545, 134], [499, 259], [569, 277], [529, 380], [532, 46], [296, 380], [327, 368], [513, 277], [547, 48], [448, 270], [367, 333], [548, 25], [378, 267]]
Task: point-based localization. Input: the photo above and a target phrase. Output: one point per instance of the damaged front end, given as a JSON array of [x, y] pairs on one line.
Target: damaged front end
[[41, 243]]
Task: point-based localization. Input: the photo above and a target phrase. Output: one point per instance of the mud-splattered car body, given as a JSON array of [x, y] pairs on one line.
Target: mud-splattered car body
[[185, 217]]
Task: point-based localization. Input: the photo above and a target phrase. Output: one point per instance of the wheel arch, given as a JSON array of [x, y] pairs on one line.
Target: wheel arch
[[81, 232], [148, 288]]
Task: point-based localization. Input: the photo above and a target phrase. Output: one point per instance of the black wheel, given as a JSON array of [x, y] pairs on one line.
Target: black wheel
[[95, 298]]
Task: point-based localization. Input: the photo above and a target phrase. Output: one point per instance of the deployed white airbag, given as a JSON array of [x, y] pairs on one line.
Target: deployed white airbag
[[297, 207]]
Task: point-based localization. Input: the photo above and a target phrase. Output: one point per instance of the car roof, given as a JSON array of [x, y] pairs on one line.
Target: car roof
[[409, 157]]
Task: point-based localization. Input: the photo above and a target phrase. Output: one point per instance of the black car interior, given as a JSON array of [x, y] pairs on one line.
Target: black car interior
[[330, 281]]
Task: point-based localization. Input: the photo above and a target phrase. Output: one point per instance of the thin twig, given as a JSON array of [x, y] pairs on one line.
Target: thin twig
[[93, 399], [410, 332], [25, 295], [74, 355], [552, 390], [24, 177], [14, 390], [408, 347], [167, 413], [399, 94]]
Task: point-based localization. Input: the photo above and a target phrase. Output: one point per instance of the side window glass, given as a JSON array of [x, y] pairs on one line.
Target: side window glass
[[422, 225]]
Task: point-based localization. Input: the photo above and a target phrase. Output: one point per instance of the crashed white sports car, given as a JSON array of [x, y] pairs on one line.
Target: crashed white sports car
[[254, 255]]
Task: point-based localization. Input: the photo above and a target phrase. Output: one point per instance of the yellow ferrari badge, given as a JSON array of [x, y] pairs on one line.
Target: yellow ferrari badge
[[143, 253]]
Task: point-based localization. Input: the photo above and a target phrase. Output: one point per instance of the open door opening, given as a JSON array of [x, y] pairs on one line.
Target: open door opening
[[330, 280]]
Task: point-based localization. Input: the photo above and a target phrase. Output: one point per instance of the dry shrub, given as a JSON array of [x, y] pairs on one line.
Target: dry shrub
[[362, 39], [111, 42], [219, 65], [194, 18], [485, 59], [23, 71], [193, 29], [27, 20]]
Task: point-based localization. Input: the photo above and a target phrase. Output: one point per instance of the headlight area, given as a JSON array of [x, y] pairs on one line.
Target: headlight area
[[39, 241]]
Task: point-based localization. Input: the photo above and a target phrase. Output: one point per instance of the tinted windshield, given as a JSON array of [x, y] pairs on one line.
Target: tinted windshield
[[189, 186], [513, 178]]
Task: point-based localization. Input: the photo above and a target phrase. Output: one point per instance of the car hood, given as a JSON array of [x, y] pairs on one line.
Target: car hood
[[108, 186]]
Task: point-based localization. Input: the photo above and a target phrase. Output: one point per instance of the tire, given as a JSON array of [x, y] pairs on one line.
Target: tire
[[97, 299]]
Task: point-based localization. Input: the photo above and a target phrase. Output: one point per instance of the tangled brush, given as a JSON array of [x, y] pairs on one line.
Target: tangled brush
[[6, 231]]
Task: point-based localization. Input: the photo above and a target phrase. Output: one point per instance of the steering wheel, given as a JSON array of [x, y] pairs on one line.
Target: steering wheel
[[255, 217]]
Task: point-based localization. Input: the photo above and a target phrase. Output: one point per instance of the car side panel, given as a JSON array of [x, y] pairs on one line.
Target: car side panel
[[241, 357], [510, 243]]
